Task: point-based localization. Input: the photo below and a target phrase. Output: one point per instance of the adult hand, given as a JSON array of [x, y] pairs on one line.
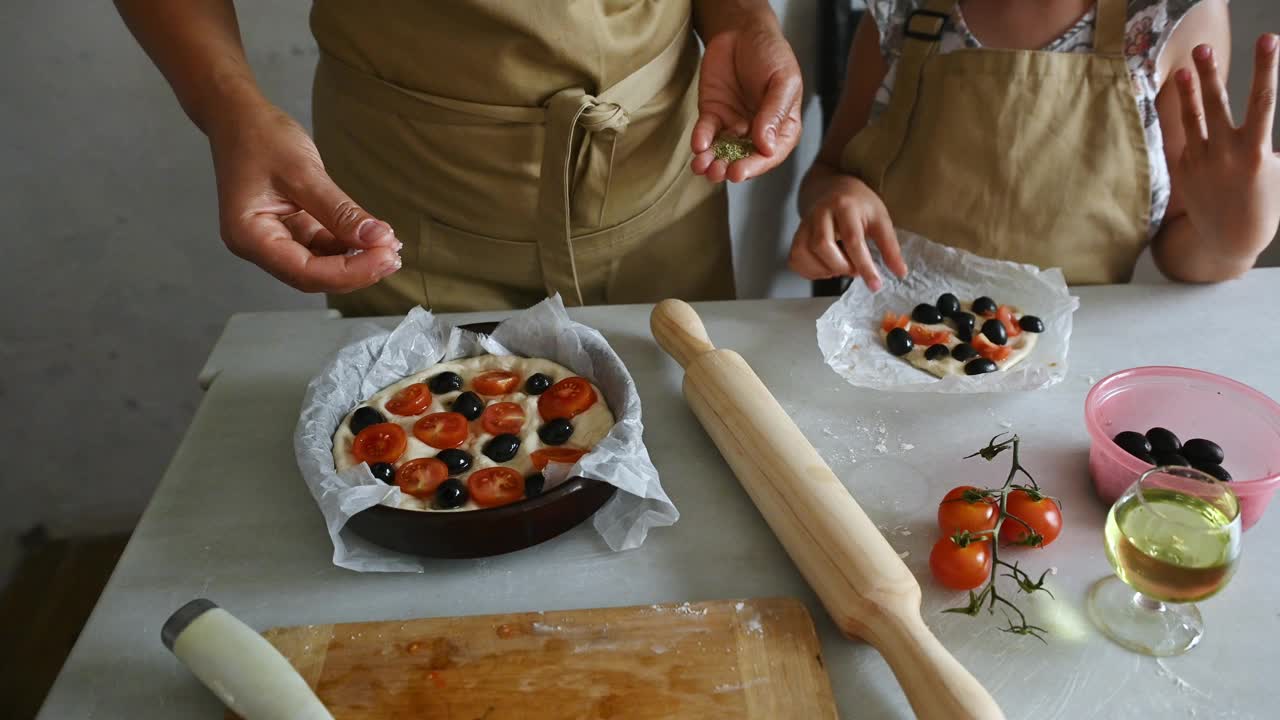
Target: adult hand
[[279, 209], [832, 238], [1230, 176], [750, 87]]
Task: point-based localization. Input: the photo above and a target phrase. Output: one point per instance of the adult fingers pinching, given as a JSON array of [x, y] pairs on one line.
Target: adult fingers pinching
[[1260, 118], [1217, 108], [309, 233], [319, 196], [269, 244], [757, 164]]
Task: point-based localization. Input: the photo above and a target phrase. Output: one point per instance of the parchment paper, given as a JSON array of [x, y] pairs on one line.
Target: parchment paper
[[377, 358], [849, 331]]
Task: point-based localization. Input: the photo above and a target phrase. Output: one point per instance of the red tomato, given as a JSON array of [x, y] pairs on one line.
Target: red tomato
[[1011, 327], [564, 455], [964, 508], [504, 417], [421, 477], [924, 337], [383, 442], [567, 398], [892, 321], [442, 430], [960, 568], [495, 486], [990, 350], [412, 400], [1041, 513], [496, 382]]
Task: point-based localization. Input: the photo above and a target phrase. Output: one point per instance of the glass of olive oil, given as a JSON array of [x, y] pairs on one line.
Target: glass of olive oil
[[1173, 538]]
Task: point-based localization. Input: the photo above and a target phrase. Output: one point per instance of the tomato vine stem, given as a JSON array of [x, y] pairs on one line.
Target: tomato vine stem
[[989, 597]]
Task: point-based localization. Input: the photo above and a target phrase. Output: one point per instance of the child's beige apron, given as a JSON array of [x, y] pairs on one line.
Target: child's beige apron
[[1037, 157], [521, 149]]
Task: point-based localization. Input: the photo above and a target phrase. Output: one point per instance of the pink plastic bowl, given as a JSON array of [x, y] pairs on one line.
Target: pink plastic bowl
[[1191, 403]]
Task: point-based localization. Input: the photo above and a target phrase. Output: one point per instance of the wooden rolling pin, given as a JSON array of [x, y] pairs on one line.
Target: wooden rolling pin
[[860, 579]]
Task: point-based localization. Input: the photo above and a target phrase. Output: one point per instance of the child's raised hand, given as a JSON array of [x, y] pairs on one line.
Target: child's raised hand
[[832, 239], [1229, 176]]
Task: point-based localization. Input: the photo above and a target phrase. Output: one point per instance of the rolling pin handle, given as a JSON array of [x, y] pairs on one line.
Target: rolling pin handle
[[678, 330]]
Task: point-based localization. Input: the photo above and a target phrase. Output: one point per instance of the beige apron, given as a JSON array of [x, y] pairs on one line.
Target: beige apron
[[1037, 157], [521, 149]]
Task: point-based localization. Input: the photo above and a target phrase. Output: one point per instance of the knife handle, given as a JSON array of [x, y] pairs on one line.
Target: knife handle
[[244, 670]]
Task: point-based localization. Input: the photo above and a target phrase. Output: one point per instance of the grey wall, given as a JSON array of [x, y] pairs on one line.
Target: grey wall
[[115, 284]]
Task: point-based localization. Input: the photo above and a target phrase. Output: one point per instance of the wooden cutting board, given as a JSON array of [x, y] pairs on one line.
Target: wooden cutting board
[[755, 659]]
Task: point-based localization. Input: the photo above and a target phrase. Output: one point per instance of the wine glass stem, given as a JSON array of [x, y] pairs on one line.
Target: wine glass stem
[[1147, 603]]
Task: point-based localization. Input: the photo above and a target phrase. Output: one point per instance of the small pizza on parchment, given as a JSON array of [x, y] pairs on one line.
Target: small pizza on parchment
[[944, 339]]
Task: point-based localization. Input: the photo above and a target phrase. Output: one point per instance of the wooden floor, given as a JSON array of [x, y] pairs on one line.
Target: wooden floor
[[42, 611]]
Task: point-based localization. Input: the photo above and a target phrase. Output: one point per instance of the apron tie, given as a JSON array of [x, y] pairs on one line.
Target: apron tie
[[570, 113]]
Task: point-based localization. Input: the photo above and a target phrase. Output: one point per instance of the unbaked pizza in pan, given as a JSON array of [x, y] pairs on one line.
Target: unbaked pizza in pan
[[475, 432], [944, 339]]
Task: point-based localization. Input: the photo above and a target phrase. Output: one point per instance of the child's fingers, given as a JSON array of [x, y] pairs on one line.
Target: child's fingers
[[1261, 114], [1217, 109], [825, 247], [881, 228], [1192, 113], [855, 246], [801, 259]]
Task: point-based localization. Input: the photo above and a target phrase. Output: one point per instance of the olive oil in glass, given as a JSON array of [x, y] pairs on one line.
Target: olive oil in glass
[[1172, 539]]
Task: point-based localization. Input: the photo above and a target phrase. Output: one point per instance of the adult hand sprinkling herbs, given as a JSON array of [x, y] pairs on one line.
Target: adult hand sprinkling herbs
[[749, 93]]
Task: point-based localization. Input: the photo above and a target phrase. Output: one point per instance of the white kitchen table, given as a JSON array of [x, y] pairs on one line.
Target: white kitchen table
[[232, 521]]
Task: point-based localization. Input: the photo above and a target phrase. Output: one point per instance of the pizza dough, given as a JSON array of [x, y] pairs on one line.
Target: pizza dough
[[589, 427], [945, 332]]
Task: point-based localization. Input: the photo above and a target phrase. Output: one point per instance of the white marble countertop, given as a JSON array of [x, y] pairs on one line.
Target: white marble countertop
[[232, 521]]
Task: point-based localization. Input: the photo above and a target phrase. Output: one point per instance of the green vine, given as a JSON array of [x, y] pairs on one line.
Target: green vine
[[989, 596]]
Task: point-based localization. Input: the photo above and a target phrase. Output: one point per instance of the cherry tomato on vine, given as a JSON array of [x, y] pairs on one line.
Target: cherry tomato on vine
[[961, 567], [966, 508], [1040, 512]]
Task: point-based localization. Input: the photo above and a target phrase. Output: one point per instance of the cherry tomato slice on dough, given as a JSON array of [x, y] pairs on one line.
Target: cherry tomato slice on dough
[[989, 350], [496, 382], [892, 321], [504, 417], [383, 442], [442, 430], [411, 400], [495, 486], [541, 458], [924, 337], [1011, 327], [421, 477], [566, 399]]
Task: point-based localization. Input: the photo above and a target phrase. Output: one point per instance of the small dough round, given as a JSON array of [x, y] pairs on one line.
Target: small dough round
[[589, 428]]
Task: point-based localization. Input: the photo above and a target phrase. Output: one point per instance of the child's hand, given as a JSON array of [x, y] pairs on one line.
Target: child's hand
[[832, 239], [1230, 177]]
